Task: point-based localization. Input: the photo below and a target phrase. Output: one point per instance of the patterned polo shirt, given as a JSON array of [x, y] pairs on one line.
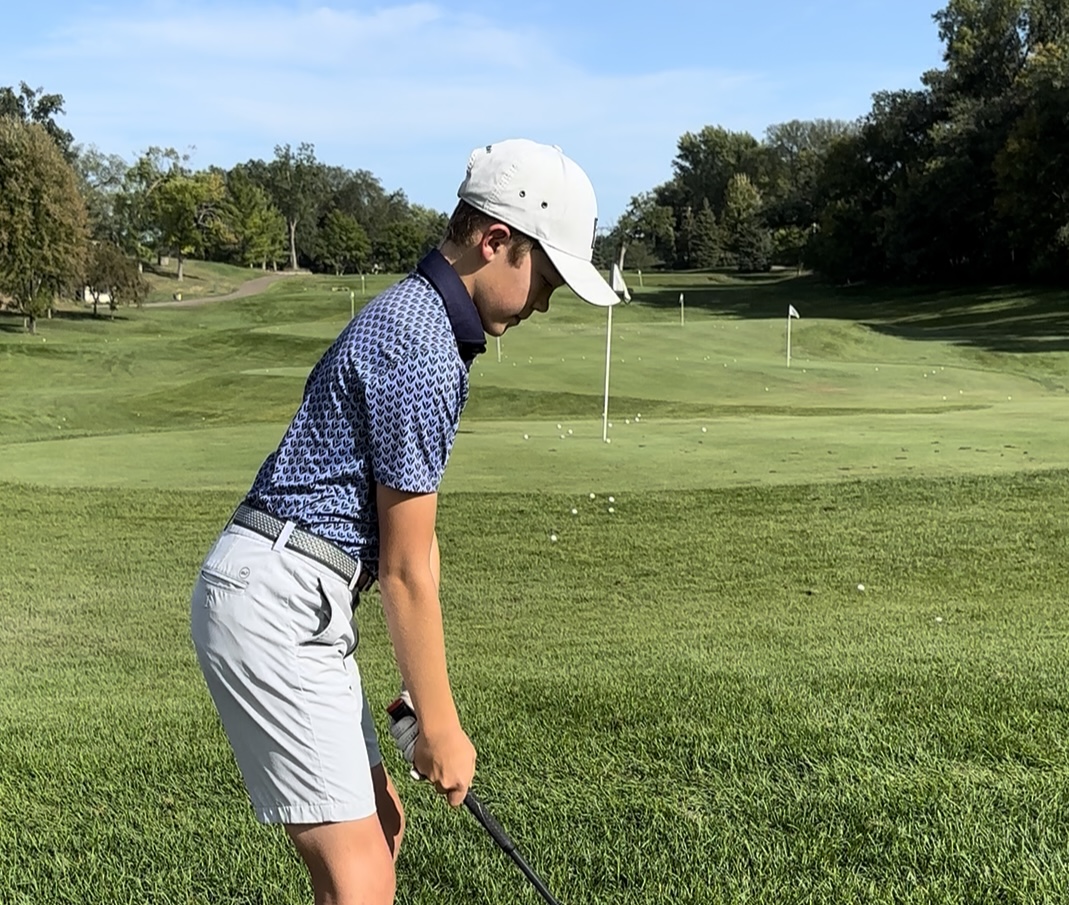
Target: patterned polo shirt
[[381, 406]]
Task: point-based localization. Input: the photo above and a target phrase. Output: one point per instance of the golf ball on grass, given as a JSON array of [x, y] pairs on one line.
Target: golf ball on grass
[[861, 587], [553, 538]]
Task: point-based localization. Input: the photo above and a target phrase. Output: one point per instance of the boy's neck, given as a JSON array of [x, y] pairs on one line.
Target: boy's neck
[[465, 261]]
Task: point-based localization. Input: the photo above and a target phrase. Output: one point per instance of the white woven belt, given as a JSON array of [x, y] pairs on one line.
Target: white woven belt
[[310, 545]]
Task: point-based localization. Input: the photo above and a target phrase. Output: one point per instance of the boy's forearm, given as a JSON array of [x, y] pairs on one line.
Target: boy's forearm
[[414, 618]]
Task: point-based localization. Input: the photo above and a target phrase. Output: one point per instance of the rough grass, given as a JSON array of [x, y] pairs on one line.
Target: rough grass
[[688, 699]]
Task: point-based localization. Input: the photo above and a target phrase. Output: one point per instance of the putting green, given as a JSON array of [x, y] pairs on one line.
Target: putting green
[[643, 455]]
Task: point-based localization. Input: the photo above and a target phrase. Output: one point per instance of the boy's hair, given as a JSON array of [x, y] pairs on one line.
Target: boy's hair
[[467, 224]]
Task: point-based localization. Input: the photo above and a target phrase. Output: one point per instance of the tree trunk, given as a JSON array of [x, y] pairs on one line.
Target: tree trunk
[[96, 298], [181, 261], [31, 324], [623, 252], [293, 244]]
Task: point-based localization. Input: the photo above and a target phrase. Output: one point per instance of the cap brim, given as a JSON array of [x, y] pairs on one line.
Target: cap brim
[[582, 277]]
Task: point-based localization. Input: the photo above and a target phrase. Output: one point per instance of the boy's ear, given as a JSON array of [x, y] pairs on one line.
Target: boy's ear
[[495, 238]]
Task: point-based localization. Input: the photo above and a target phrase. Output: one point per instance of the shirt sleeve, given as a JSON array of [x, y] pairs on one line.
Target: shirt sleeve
[[413, 403]]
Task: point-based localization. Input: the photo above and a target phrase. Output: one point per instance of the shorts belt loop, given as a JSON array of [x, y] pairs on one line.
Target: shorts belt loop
[[283, 536], [356, 576]]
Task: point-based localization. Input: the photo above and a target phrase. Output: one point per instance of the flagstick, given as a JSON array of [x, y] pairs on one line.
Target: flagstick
[[682, 318], [499, 350], [788, 340], [605, 411]]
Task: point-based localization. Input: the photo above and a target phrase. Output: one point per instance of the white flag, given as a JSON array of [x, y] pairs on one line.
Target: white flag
[[792, 311], [618, 284]]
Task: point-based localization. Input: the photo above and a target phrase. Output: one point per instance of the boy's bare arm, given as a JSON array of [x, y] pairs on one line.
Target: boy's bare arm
[[408, 582]]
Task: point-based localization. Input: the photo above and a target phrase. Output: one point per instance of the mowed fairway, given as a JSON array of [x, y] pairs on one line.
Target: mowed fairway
[[687, 699]]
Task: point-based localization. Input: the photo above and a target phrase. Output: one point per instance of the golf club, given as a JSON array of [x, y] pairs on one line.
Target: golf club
[[400, 710]]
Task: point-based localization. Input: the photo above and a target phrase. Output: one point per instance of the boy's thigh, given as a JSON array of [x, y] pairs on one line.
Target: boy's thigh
[[349, 860], [274, 640]]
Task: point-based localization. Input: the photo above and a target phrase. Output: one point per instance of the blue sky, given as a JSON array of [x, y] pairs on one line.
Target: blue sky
[[406, 90]]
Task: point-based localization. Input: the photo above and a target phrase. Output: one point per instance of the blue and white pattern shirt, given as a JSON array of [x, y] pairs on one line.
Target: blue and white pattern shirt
[[381, 406]]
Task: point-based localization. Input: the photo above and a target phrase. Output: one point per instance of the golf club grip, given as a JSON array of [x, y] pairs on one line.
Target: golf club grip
[[478, 810], [489, 822]]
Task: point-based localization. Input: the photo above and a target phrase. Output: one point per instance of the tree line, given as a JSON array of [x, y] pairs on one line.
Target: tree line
[[73, 215], [965, 178]]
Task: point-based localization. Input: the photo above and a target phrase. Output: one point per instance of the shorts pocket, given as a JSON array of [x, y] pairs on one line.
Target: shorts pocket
[[224, 580], [333, 620]]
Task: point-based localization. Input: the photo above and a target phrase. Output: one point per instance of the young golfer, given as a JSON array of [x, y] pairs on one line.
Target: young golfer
[[350, 497]]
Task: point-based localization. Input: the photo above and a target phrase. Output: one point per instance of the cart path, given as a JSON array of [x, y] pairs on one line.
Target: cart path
[[251, 287]]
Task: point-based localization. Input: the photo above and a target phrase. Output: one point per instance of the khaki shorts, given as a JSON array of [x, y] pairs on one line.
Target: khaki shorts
[[274, 637]]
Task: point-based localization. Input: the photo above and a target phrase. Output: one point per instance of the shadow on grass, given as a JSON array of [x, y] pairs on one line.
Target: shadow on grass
[[994, 318], [79, 315], [12, 322]]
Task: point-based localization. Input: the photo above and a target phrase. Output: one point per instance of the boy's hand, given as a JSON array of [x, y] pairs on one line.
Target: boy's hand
[[447, 759]]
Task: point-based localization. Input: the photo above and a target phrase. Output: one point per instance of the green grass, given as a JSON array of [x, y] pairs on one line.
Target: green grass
[[686, 700]]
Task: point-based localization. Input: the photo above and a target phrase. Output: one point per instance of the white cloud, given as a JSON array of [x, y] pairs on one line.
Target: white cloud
[[404, 92]]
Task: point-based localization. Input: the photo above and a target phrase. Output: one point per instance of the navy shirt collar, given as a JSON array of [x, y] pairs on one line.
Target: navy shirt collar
[[463, 315]]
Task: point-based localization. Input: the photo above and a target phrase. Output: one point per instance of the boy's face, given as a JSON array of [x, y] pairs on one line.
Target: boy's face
[[509, 293]]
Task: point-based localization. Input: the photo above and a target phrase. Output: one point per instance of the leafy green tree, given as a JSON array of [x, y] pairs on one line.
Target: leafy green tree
[[796, 154], [297, 184], [101, 178], [138, 230], [1032, 168], [706, 162], [398, 246], [746, 240], [685, 252], [708, 239], [186, 208], [34, 106], [113, 273], [44, 230], [647, 222], [431, 225], [342, 243], [255, 227]]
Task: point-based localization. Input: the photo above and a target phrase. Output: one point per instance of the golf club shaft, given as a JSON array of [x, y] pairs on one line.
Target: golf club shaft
[[490, 824], [400, 710]]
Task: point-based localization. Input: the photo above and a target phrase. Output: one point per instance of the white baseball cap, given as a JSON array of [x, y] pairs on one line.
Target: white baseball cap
[[537, 190]]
